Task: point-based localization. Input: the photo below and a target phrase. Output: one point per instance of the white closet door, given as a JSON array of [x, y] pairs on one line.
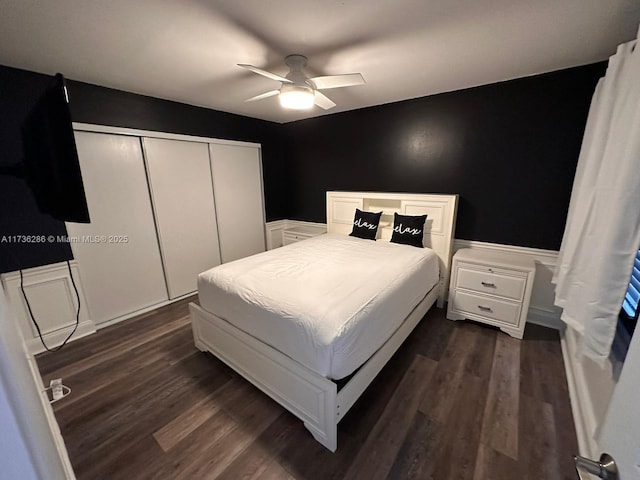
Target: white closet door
[[237, 187], [182, 192], [118, 254]]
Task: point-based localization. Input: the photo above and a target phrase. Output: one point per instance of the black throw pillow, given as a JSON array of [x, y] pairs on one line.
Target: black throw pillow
[[365, 224], [408, 229]]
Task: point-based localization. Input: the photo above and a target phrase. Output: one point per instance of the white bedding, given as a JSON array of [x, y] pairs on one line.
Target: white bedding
[[328, 302]]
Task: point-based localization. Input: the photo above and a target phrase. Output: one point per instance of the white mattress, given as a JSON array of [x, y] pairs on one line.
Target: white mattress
[[328, 302]]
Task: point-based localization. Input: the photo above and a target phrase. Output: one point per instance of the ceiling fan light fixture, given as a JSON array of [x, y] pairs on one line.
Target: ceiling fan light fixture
[[296, 97]]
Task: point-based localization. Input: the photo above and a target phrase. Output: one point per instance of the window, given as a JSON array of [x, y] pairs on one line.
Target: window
[[629, 312]]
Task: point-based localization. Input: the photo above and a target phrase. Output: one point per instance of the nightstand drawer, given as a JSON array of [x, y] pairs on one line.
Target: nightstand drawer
[[502, 311], [491, 282], [300, 233], [290, 238]]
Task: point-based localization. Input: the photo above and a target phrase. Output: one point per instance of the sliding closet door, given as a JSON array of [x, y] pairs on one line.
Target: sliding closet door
[[118, 254], [237, 186], [182, 192]]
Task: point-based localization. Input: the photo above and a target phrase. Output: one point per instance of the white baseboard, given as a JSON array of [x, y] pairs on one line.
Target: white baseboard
[[545, 318], [55, 339]]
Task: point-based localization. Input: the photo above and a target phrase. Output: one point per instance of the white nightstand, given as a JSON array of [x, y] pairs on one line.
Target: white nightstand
[[299, 233], [493, 288]]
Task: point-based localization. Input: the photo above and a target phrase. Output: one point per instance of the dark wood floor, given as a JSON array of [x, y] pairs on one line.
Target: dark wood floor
[[457, 401]]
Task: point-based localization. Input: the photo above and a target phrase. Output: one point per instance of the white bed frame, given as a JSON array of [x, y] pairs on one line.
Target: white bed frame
[[309, 396]]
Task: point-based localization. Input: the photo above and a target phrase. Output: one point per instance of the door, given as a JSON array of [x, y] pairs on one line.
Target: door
[[182, 192], [237, 187], [118, 254], [620, 432]]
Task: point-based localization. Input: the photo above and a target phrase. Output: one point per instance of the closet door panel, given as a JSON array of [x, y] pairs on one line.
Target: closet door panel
[[118, 254], [237, 187], [182, 192]]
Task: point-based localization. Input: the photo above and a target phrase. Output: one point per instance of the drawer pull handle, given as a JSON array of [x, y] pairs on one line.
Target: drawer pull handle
[[485, 309], [487, 284]]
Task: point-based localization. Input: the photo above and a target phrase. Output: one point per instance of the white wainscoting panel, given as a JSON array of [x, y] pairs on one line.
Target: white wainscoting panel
[[53, 302], [275, 231]]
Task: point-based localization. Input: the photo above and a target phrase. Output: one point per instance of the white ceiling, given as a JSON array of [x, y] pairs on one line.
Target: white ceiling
[[187, 50]]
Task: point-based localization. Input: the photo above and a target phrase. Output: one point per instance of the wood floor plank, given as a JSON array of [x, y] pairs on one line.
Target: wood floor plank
[[418, 451], [234, 392], [482, 350], [149, 407], [262, 410], [167, 350], [493, 465], [137, 461], [384, 441], [185, 423], [126, 345], [500, 426], [146, 404], [450, 374], [459, 433], [274, 471], [253, 462], [430, 338], [200, 446], [540, 455], [543, 379], [112, 336]]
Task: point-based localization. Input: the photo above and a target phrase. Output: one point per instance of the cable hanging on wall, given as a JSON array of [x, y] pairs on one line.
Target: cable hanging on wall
[[33, 319]]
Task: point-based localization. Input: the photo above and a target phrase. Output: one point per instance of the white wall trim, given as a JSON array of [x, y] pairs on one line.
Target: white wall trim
[[22, 386], [42, 284], [88, 127], [297, 223], [546, 257], [581, 405]]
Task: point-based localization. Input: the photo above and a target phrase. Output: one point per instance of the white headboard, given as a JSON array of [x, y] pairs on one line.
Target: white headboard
[[441, 213]]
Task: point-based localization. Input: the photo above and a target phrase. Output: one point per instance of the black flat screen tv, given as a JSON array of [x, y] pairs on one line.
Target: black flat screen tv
[[51, 167]]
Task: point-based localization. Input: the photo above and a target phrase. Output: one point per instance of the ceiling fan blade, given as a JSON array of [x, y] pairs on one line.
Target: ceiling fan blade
[[323, 101], [264, 73], [263, 95], [337, 81]]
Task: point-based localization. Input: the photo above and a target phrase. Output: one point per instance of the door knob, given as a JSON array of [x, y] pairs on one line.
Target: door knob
[[606, 468]]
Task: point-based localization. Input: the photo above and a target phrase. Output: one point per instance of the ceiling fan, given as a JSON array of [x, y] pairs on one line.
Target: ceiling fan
[[300, 92]]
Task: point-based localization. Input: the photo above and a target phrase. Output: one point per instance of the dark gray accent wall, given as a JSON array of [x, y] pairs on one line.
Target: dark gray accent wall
[[508, 149]]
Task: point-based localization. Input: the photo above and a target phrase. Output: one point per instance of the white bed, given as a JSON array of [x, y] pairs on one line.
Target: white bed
[[290, 320], [328, 303]]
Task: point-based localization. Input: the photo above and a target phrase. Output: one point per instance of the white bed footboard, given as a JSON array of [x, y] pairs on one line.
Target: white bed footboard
[[311, 397]]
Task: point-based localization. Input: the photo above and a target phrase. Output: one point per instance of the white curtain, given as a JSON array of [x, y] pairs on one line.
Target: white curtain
[[602, 234]]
